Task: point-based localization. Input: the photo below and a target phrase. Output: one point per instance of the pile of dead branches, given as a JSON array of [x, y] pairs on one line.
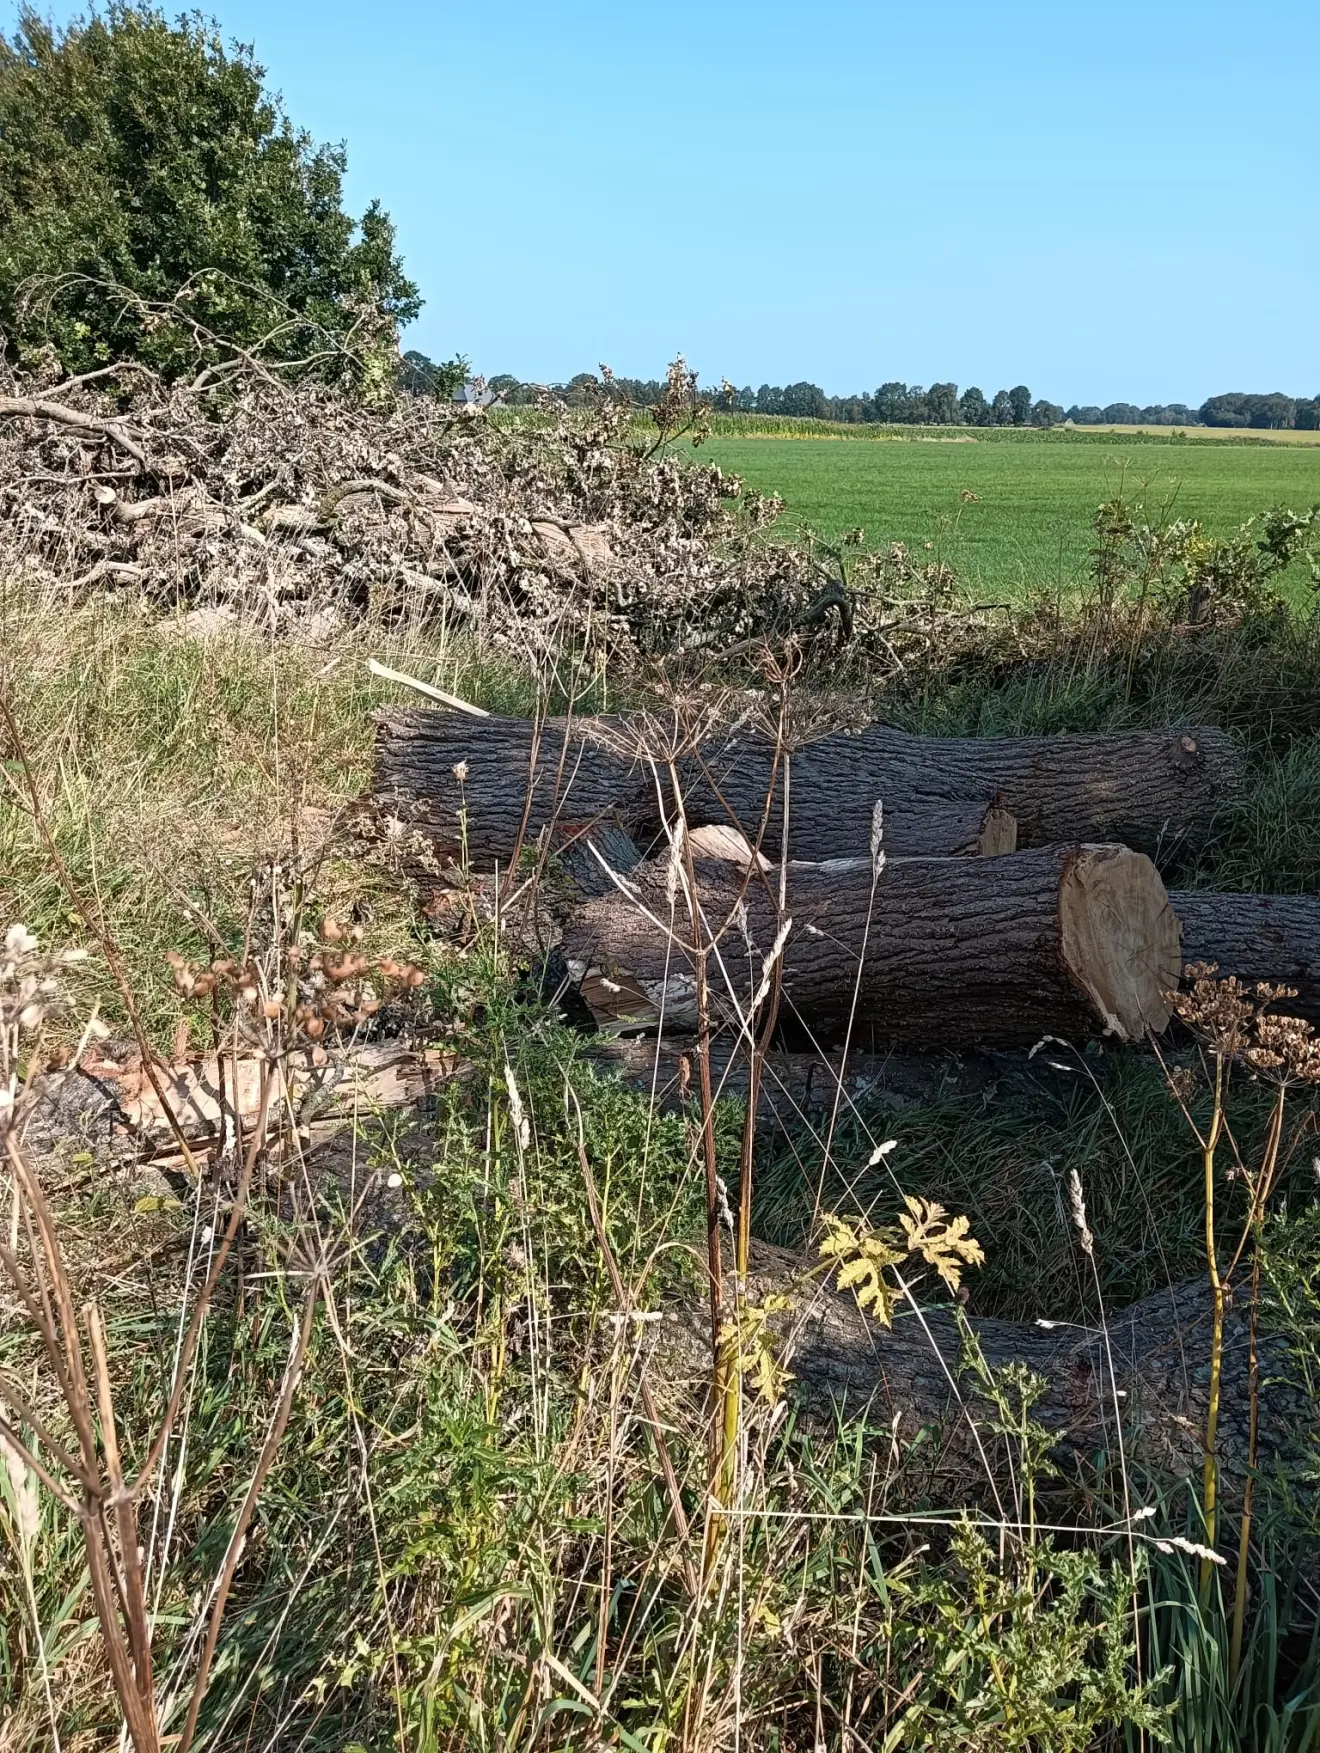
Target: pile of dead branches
[[545, 531]]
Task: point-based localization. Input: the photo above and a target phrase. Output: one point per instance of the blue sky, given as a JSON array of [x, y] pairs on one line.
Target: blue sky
[[1105, 202]]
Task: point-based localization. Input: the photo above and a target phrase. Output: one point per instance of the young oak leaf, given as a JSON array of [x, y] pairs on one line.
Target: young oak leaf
[[943, 1242], [863, 1255]]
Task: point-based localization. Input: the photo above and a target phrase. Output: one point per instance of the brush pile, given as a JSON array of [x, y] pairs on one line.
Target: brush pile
[[542, 532]]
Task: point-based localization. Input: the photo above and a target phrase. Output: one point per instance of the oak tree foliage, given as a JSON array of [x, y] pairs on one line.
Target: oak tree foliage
[[156, 202]]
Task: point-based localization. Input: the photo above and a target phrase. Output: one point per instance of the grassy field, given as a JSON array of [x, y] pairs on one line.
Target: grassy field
[[786, 426], [1029, 522]]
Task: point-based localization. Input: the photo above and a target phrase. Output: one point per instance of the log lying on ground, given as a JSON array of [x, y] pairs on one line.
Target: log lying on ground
[[1156, 791], [1160, 1346], [210, 1098], [482, 784], [1066, 940], [1257, 937], [588, 771]]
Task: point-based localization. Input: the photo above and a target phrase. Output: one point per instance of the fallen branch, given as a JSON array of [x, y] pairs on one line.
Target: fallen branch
[[21, 407]]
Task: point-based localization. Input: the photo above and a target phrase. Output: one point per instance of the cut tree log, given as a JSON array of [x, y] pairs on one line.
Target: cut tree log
[[485, 785], [1066, 940], [585, 772], [902, 1379], [1156, 791], [212, 1099], [1257, 937], [798, 1089]]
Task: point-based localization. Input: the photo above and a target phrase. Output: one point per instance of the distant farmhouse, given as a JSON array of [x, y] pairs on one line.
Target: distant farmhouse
[[476, 393]]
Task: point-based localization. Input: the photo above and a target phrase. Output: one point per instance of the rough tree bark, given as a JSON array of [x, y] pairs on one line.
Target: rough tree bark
[[1257, 937], [586, 775], [457, 779], [841, 1358], [1066, 940], [1157, 791]]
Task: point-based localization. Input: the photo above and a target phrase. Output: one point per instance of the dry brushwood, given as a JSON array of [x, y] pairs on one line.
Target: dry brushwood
[[1275, 938], [539, 531], [1068, 940], [1157, 791]]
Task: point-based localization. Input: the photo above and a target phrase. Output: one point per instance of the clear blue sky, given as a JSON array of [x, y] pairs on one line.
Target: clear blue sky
[[1104, 201]]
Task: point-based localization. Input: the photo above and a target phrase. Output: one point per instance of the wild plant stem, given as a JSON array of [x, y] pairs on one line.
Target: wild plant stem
[[1249, 1489], [238, 1537], [714, 1258], [1210, 1481], [675, 1494]]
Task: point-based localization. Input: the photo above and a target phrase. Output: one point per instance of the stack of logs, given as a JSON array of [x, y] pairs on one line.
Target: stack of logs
[[1019, 894]]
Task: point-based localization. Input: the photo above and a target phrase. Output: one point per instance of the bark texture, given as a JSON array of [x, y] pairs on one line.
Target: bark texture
[[1156, 791], [1160, 1346], [454, 777], [1066, 940], [1257, 937], [802, 1087]]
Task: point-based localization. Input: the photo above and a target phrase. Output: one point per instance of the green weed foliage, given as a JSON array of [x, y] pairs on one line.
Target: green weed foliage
[[464, 1542]]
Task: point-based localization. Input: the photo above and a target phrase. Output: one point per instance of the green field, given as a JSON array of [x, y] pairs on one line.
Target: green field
[[1029, 524]]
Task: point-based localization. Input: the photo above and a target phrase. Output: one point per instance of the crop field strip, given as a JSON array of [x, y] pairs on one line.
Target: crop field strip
[[1015, 516]]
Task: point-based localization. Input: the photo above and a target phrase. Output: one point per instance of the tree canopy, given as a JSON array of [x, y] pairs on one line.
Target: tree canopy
[[154, 195]]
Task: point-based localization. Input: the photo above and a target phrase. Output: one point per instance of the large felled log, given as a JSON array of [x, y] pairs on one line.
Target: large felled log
[[1156, 791], [797, 1088], [481, 783], [1257, 937], [1066, 940], [904, 1377], [465, 782]]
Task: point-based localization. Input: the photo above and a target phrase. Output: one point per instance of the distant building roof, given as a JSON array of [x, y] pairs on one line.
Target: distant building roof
[[474, 394]]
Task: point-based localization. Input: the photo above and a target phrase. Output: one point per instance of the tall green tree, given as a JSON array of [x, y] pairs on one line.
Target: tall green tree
[[942, 404], [1019, 400], [143, 162]]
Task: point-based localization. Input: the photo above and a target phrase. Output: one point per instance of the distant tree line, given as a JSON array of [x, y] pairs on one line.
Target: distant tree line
[[901, 404]]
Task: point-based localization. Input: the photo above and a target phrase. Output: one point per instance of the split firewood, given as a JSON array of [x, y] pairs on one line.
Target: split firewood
[[1072, 940]]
